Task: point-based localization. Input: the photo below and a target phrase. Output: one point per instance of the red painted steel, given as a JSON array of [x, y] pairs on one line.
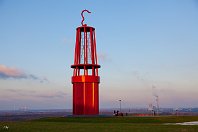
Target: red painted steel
[[85, 77]]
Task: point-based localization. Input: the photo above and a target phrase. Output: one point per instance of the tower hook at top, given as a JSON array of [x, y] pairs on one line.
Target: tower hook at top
[[83, 16]]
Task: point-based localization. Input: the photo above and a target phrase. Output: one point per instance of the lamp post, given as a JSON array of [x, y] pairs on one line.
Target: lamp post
[[120, 104]]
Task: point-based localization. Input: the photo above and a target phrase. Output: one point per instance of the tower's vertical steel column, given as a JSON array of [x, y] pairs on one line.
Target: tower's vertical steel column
[[85, 77]]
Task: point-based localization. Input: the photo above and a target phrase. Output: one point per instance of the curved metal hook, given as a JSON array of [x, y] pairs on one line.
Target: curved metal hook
[[83, 16]]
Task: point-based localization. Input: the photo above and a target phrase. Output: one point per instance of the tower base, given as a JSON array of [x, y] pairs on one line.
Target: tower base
[[85, 95]]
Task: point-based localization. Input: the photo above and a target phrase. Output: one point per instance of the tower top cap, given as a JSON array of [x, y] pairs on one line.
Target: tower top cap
[[83, 17]]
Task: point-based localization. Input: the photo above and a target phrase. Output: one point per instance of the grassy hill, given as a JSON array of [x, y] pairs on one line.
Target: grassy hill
[[106, 124]]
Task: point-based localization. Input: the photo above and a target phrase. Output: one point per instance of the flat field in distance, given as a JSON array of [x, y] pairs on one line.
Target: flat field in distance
[[106, 124]]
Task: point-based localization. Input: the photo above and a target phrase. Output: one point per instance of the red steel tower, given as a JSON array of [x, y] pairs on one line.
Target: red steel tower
[[85, 77]]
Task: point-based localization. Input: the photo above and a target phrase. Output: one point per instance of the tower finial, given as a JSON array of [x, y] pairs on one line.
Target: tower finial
[[83, 16]]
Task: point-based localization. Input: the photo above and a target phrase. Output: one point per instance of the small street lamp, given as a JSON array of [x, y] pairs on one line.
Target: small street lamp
[[120, 104]]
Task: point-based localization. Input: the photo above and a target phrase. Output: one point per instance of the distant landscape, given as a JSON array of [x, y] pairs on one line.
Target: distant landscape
[[26, 114]]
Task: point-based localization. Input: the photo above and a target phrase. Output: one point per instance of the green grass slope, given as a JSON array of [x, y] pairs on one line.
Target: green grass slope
[[103, 124]]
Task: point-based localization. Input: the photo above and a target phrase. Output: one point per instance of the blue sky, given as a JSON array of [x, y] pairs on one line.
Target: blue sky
[[144, 48]]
